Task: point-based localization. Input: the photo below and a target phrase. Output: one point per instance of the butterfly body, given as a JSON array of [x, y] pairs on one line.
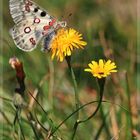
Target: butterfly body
[[32, 23], [47, 41]]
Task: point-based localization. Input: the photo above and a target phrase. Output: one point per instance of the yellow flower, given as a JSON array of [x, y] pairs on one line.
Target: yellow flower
[[64, 42], [103, 69]]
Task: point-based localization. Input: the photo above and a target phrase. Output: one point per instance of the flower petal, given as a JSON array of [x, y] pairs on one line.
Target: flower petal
[[102, 68], [64, 43]]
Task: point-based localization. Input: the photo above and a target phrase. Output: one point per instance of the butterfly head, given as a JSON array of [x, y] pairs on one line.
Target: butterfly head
[[61, 24]]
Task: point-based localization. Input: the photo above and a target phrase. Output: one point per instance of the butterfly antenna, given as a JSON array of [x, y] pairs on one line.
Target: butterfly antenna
[[62, 17], [70, 15], [66, 18]]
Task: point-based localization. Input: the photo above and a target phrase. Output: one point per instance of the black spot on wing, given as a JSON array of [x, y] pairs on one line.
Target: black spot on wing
[[36, 9], [43, 14]]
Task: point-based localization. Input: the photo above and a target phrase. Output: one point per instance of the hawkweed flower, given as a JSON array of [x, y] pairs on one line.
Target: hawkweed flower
[[64, 43], [101, 69]]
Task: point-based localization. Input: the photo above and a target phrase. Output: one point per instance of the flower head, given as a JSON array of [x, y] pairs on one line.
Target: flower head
[[14, 62], [101, 69], [17, 65], [64, 42]]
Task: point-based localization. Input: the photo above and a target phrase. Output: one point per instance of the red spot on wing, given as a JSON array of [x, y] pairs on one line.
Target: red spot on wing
[[32, 41], [50, 24], [36, 20], [46, 27], [27, 30], [27, 8], [27, 5]]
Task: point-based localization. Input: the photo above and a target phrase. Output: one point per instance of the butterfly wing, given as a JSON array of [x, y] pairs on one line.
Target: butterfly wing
[[27, 34], [47, 40], [24, 9], [26, 37], [30, 21]]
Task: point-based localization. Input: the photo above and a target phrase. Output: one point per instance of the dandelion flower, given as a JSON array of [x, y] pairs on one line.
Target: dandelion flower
[[101, 69], [64, 43]]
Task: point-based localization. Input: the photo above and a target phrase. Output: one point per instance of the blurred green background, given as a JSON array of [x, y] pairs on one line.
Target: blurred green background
[[110, 28]]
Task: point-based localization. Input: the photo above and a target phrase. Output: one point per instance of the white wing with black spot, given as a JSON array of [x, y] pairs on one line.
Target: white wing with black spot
[[24, 9], [27, 35], [30, 21]]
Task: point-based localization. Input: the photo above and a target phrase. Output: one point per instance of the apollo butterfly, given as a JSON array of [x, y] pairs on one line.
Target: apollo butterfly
[[32, 23]]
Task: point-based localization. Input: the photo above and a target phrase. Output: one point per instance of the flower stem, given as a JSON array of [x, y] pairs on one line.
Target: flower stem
[[101, 83], [101, 127], [68, 59], [75, 129], [129, 118], [73, 113], [20, 126], [30, 118], [81, 107], [103, 117]]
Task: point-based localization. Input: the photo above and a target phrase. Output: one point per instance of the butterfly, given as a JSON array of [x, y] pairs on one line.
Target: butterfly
[[32, 24]]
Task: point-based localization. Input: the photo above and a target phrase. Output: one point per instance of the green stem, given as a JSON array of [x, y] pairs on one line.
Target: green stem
[[101, 127], [30, 118], [129, 118], [73, 113], [18, 118], [75, 129], [20, 126], [101, 85], [104, 122], [68, 59], [81, 107]]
